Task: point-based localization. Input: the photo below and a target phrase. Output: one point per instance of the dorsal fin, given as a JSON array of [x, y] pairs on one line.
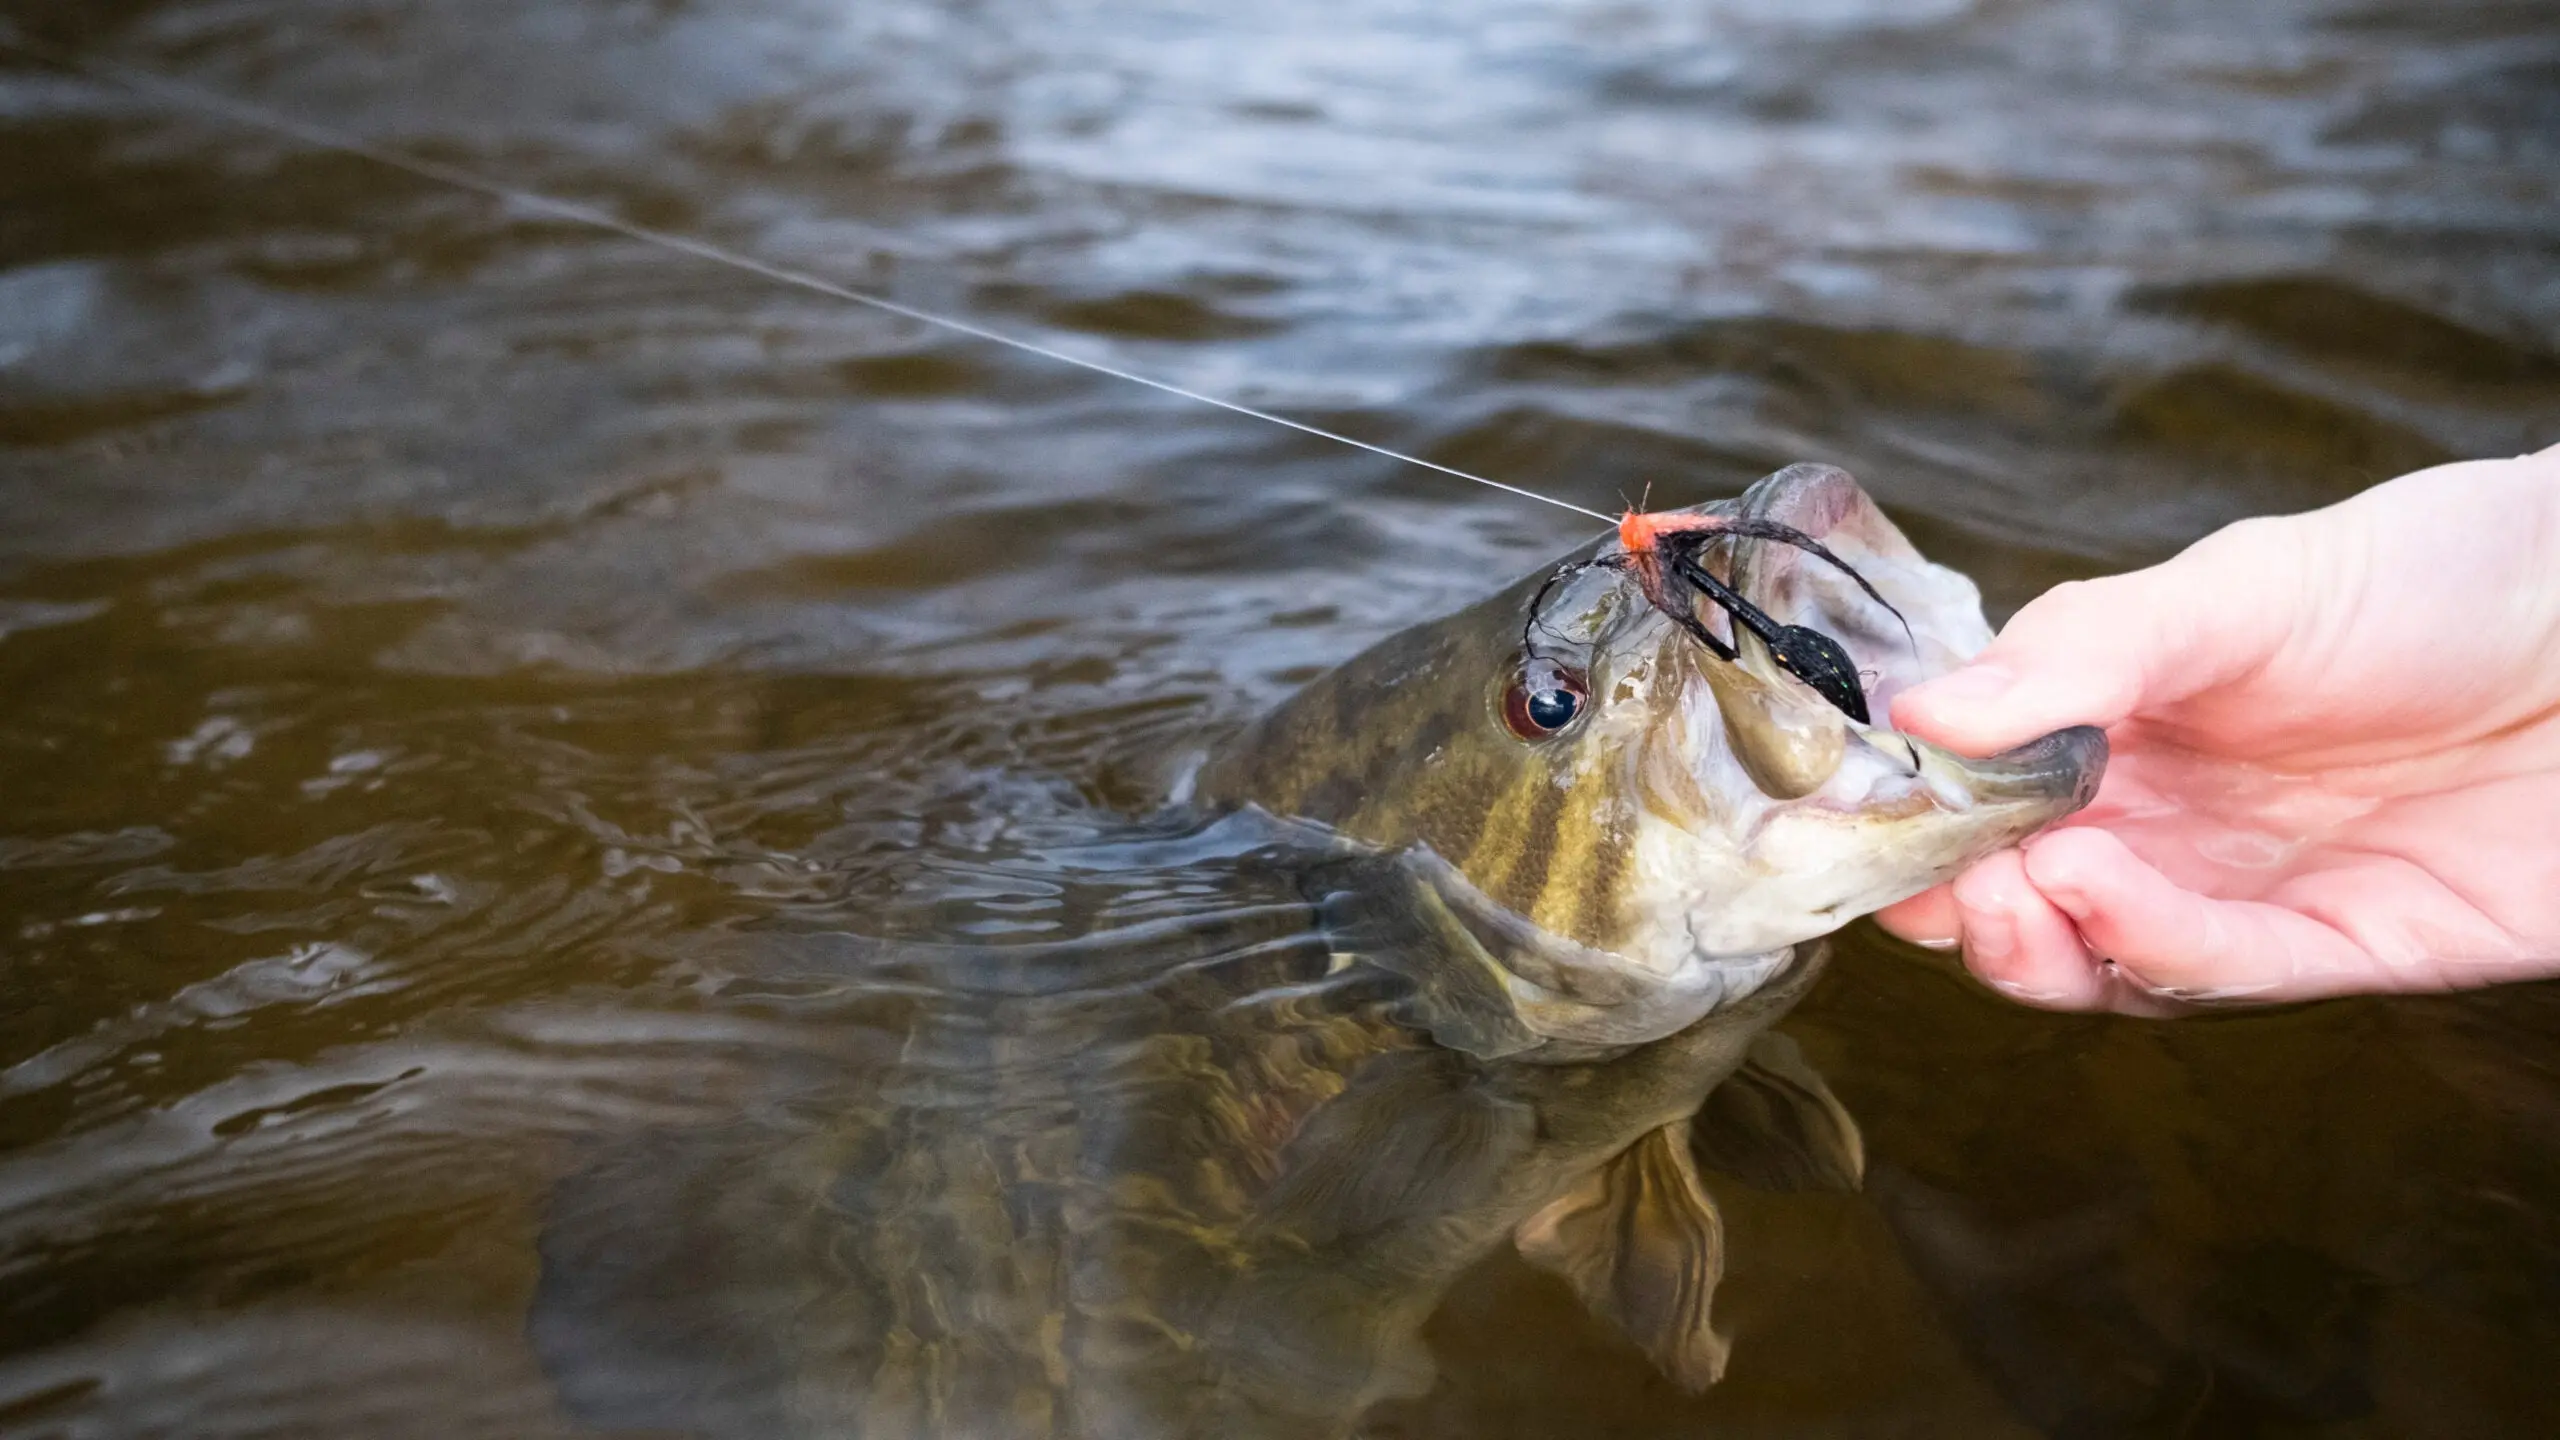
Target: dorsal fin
[[1640, 1242], [1775, 1125]]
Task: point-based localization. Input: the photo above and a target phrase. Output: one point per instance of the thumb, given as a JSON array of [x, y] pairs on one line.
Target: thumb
[[2094, 652]]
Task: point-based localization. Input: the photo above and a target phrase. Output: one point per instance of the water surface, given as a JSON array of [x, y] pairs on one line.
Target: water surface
[[441, 648]]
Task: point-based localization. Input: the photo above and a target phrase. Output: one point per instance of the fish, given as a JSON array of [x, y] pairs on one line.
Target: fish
[[1536, 883]]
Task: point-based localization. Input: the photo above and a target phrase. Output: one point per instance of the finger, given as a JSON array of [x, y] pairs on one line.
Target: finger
[[2174, 942], [1928, 918], [2094, 652], [2018, 943]]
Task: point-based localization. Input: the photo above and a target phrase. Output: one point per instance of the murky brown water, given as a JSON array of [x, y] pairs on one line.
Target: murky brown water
[[439, 649]]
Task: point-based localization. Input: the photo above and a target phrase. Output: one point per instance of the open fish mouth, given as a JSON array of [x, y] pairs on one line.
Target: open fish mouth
[[1801, 812], [1935, 627]]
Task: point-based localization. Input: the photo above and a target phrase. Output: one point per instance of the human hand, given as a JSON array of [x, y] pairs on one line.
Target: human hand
[[2336, 759]]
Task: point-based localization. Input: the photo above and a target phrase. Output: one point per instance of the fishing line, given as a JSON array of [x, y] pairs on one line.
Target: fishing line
[[326, 138]]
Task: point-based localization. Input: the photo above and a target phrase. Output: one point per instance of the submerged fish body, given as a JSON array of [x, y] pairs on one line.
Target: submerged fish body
[[1513, 985]]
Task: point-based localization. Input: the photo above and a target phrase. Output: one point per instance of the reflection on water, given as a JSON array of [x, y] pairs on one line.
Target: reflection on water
[[446, 658]]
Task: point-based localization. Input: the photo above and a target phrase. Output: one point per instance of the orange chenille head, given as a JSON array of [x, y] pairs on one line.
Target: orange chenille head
[[1641, 533]]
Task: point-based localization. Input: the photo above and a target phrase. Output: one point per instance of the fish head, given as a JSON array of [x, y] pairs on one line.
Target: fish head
[[1591, 778]]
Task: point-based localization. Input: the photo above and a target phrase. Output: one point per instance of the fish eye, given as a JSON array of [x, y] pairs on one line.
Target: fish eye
[[1544, 700]]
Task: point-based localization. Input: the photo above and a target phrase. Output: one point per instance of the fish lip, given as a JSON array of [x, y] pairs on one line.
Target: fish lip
[[2064, 769]]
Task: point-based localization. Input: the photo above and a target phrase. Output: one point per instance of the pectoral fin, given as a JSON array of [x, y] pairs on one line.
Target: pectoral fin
[[1639, 1240], [1775, 1125], [1413, 1135]]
